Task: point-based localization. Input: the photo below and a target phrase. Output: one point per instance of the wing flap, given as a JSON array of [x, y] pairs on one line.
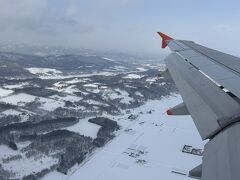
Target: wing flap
[[209, 105], [228, 61], [200, 61], [189, 53], [223, 74]]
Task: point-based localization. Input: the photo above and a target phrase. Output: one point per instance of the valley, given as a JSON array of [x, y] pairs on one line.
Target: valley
[[57, 111]]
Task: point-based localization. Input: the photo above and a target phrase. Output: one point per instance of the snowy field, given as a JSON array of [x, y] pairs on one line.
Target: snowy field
[[24, 165], [85, 128], [18, 99], [47, 73], [43, 71], [149, 147], [21, 99], [5, 92], [133, 76]]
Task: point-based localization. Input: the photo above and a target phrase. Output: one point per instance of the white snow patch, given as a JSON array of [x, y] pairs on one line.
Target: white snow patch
[[130, 86], [138, 93], [71, 89], [94, 102], [66, 98], [16, 86], [85, 128], [109, 59], [18, 99], [151, 80], [103, 87], [110, 94], [162, 67], [5, 151], [11, 112], [22, 98], [96, 91], [77, 80], [83, 92], [59, 84], [62, 77], [141, 69], [50, 104], [5, 92], [120, 68], [43, 71], [91, 85], [159, 67], [25, 165], [106, 74], [133, 76], [124, 95]]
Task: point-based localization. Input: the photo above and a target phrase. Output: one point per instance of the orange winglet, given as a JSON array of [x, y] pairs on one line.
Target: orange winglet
[[164, 39]]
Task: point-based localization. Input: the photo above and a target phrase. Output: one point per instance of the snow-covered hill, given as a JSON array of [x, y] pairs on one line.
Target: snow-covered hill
[[68, 116]]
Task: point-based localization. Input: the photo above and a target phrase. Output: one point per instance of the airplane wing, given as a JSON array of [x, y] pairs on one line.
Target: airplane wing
[[209, 83]]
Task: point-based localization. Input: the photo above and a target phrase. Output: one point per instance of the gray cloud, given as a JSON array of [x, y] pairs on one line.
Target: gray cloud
[[51, 22], [125, 25]]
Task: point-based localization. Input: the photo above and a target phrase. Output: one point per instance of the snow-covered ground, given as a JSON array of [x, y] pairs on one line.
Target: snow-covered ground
[[61, 88], [124, 95], [21, 99], [30, 165], [5, 92], [11, 112], [94, 87], [18, 99], [93, 102], [138, 93], [85, 128], [160, 67], [47, 73], [149, 147], [119, 68], [151, 80], [141, 69], [67, 97], [117, 94], [109, 59], [23, 165], [77, 80], [17, 86], [50, 104], [133, 76], [43, 71], [109, 93]]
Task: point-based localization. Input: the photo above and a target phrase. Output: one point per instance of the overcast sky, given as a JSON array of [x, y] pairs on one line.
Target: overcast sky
[[124, 25]]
